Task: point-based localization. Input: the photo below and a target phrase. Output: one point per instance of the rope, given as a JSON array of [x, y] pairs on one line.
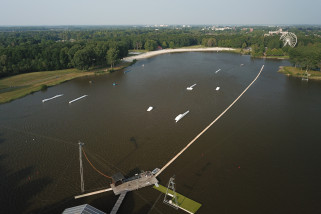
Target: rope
[[83, 151], [202, 132]]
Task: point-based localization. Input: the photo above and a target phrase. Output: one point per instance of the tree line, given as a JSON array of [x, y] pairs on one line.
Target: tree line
[[45, 49]]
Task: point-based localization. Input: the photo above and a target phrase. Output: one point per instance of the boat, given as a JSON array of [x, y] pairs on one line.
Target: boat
[[217, 88], [150, 108], [217, 71], [191, 87], [180, 116]]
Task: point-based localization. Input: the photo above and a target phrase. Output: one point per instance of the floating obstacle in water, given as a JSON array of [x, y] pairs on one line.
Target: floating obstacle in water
[[217, 88], [126, 71], [77, 99], [45, 100], [191, 87], [114, 83], [217, 71], [180, 116], [150, 108], [184, 203]]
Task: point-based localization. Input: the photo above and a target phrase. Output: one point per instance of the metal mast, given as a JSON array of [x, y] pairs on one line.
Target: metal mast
[[82, 185], [171, 196]]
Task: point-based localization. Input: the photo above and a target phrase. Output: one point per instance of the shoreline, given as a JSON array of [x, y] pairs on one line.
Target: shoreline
[[18, 86], [298, 73], [178, 50]]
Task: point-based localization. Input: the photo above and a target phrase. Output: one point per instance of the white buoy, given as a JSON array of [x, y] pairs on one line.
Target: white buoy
[[190, 88], [217, 71], [78, 99], [180, 116], [45, 100], [150, 108], [217, 88]]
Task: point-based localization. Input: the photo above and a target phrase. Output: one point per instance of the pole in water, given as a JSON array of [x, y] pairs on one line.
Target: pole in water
[[82, 185]]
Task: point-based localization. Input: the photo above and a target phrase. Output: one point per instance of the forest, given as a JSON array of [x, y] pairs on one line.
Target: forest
[[31, 49]]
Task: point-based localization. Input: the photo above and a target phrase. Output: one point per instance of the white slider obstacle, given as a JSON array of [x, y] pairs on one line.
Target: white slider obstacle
[[180, 116], [77, 99], [45, 100], [190, 88]]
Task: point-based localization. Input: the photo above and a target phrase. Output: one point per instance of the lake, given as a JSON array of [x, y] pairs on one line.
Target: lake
[[262, 156]]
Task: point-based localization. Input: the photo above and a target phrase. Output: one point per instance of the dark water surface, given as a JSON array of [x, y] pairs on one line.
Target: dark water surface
[[262, 156]]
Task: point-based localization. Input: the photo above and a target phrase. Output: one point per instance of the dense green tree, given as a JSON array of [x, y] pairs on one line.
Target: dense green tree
[[150, 45], [84, 58], [171, 44], [164, 44], [112, 56]]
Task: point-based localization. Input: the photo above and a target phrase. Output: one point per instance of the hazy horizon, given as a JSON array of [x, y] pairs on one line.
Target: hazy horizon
[[167, 12]]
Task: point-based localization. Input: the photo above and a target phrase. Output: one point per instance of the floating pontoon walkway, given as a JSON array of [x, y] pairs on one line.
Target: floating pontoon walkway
[[184, 203], [209, 126], [118, 203]]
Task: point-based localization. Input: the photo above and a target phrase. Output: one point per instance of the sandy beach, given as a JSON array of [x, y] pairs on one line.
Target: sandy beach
[[165, 51]]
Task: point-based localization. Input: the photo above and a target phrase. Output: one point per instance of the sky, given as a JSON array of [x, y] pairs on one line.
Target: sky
[[150, 12]]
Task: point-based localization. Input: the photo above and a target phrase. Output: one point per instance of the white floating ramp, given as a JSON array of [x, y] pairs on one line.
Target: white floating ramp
[[45, 100], [180, 116], [217, 71], [191, 87], [78, 99]]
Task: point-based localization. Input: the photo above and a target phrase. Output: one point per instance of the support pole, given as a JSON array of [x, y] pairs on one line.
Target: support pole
[[171, 198], [82, 185]]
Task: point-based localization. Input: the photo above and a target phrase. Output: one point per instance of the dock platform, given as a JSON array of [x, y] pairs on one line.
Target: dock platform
[[184, 203], [138, 181]]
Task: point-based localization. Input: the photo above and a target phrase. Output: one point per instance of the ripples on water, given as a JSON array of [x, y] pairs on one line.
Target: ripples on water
[[261, 157]]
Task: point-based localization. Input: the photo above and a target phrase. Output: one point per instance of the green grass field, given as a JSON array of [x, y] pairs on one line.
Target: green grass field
[[20, 85], [297, 72], [186, 203], [17, 86]]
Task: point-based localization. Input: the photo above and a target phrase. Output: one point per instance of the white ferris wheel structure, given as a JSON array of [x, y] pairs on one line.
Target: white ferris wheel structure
[[289, 39]]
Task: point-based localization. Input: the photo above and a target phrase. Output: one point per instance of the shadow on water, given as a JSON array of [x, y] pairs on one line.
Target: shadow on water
[[134, 142], [19, 188], [104, 202]]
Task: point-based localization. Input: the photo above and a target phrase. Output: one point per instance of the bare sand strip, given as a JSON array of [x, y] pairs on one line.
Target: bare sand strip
[[179, 50]]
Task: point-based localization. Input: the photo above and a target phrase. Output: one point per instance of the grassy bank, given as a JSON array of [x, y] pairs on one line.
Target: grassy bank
[[14, 87], [297, 72], [271, 57]]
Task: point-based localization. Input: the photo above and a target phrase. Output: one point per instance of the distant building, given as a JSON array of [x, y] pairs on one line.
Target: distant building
[[280, 31]]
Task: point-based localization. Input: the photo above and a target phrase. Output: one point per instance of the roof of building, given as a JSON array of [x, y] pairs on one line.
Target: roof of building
[[82, 209], [118, 177]]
